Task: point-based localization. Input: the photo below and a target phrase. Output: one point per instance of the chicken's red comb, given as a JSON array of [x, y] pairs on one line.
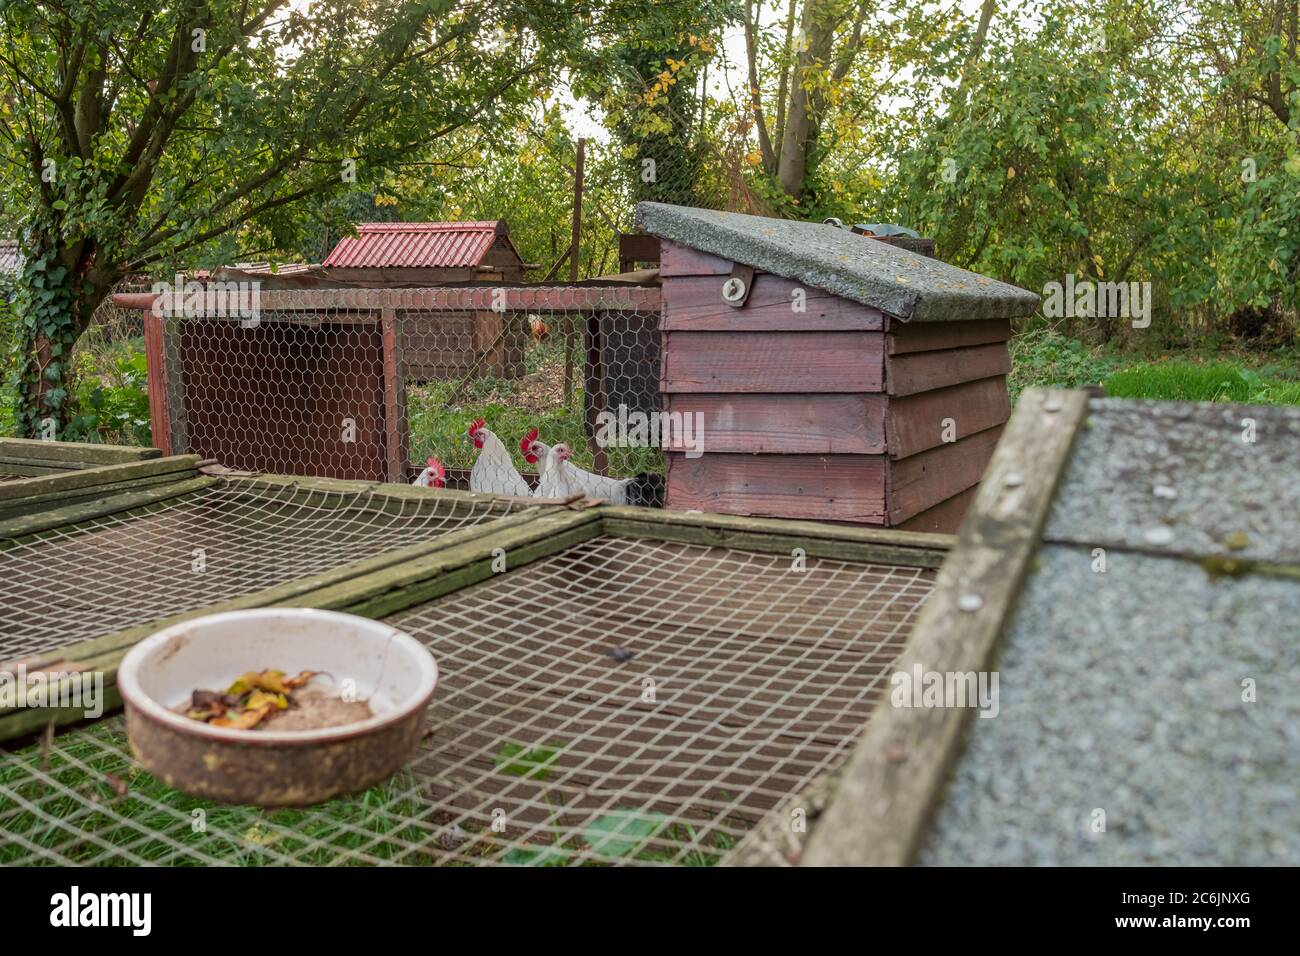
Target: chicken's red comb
[[478, 423], [527, 441], [437, 467]]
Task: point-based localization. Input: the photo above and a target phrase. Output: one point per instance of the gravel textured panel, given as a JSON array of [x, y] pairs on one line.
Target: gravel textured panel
[[1134, 706], [901, 283], [1177, 478]]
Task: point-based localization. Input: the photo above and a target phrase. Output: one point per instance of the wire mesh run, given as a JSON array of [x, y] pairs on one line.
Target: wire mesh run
[[230, 539], [372, 384], [623, 702]]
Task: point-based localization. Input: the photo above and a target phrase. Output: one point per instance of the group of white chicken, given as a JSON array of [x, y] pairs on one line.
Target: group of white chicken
[[557, 477]]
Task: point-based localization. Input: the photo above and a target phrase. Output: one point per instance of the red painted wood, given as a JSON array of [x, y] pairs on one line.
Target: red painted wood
[[772, 362], [917, 422], [275, 397], [946, 516], [160, 423], [695, 303], [789, 424], [678, 260], [923, 371], [905, 337], [825, 487], [918, 483]]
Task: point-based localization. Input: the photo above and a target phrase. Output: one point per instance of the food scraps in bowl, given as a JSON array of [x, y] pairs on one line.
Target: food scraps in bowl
[[262, 698]]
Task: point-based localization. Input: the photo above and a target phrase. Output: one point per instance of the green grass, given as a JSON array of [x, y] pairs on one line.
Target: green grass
[[102, 793], [1043, 357], [100, 802], [439, 414], [1210, 382]]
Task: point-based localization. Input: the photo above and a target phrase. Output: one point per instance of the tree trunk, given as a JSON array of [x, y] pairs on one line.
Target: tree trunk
[[58, 292], [799, 134]]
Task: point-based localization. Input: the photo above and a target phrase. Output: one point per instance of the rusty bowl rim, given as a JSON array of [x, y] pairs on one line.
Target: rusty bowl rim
[[135, 698]]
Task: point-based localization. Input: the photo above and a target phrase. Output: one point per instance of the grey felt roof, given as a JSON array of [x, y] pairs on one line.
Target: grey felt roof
[[1122, 690], [1180, 478], [903, 284]]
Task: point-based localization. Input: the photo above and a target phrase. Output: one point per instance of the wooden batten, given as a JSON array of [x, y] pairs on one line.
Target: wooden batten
[[878, 811], [155, 353]]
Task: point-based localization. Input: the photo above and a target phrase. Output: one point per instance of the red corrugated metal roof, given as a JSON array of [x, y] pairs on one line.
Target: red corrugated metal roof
[[419, 245]]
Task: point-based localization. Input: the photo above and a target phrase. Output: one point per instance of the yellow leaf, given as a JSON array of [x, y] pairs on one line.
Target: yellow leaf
[[1011, 172]]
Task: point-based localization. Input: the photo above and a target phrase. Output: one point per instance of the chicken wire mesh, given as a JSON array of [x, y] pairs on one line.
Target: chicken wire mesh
[[232, 538], [626, 701], [362, 383]]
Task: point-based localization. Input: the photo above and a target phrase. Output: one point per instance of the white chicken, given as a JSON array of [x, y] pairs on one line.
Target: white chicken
[[493, 471], [433, 476], [644, 489], [558, 478]]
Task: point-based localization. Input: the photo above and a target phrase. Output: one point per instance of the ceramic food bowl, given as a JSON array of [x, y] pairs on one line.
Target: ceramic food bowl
[[364, 659]]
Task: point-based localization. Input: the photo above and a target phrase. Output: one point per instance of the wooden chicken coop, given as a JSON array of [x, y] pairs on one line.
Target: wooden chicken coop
[[837, 378]]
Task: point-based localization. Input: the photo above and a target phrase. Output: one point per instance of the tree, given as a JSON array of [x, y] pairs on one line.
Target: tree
[[811, 62], [139, 134]]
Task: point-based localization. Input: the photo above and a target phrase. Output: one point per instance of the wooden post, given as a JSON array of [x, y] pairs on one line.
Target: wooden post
[[160, 424], [570, 330], [394, 419], [596, 373]]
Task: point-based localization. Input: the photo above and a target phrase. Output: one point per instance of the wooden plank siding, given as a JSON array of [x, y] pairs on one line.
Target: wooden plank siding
[[837, 412], [793, 423], [823, 487], [919, 422], [695, 303], [765, 362], [678, 260], [922, 481], [914, 372], [906, 337]]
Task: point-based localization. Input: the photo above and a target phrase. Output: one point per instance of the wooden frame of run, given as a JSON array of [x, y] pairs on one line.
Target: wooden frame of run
[[877, 810], [406, 576], [33, 470]]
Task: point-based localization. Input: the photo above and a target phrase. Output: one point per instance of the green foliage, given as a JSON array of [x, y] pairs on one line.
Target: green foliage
[[113, 402], [531, 763], [141, 139], [622, 833], [1043, 357]]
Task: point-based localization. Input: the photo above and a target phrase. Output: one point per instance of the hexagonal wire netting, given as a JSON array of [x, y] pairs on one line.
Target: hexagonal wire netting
[[624, 701], [384, 384]]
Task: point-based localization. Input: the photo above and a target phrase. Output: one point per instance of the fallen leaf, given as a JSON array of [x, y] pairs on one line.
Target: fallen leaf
[[245, 721]]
